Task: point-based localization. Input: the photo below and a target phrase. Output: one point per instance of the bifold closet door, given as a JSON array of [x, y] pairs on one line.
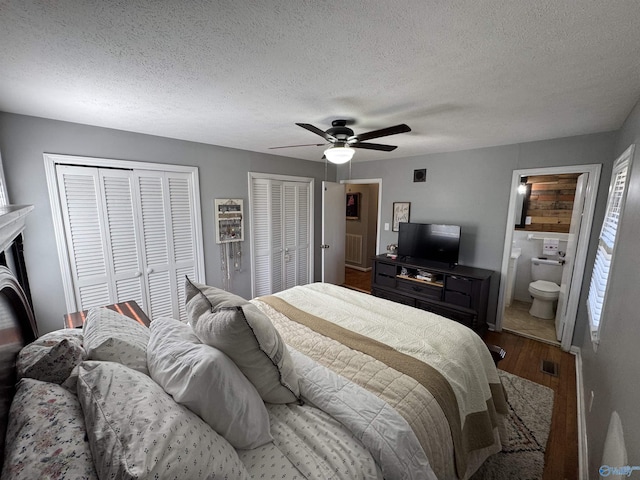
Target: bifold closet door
[[100, 227], [296, 234], [130, 236], [168, 239], [280, 229]]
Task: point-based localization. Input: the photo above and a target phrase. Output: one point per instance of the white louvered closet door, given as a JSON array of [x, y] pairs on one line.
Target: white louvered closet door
[[168, 246], [280, 234], [101, 236], [266, 198], [124, 262], [83, 218], [296, 234], [130, 235]]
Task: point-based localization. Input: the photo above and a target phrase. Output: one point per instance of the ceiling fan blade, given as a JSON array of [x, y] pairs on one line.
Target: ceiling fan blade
[[374, 146], [317, 131], [305, 145], [383, 132]]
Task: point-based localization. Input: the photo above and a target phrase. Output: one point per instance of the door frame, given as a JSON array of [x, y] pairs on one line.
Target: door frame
[[365, 181], [286, 178], [581, 250], [53, 159]]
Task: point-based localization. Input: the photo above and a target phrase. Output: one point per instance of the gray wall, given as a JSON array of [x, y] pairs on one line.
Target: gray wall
[[611, 372], [471, 189], [222, 172]]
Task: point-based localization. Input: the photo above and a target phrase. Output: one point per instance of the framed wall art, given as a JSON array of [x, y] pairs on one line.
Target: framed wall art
[[353, 206], [400, 214]]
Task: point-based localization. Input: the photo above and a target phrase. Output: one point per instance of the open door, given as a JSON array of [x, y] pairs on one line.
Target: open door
[[333, 232], [569, 266]]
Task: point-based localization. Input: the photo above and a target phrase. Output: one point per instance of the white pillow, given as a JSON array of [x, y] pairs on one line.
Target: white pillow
[[207, 382], [113, 337], [247, 336], [46, 437], [136, 430], [52, 357]]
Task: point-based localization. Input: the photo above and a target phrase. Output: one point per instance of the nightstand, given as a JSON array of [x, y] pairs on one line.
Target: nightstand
[[130, 309]]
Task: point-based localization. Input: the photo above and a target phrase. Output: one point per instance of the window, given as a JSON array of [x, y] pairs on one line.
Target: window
[[596, 300]]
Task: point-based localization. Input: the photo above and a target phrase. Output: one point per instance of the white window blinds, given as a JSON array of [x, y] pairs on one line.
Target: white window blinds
[[607, 242]]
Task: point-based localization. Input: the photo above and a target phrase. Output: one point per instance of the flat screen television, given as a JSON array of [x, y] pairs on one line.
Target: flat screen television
[[430, 242]]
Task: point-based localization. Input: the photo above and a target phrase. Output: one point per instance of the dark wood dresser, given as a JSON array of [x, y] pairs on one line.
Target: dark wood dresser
[[460, 293]]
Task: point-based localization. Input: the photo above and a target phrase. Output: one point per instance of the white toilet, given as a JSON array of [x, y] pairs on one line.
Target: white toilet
[[545, 287]]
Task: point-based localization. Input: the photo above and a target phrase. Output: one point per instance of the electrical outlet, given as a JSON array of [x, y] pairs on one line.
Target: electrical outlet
[[386, 227], [591, 400]]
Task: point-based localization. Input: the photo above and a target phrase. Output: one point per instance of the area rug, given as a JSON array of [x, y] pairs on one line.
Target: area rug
[[530, 409]]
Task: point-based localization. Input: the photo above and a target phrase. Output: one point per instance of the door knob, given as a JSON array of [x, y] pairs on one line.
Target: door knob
[[149, 270]]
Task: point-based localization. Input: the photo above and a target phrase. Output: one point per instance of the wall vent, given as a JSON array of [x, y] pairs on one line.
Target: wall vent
[[549, 367]]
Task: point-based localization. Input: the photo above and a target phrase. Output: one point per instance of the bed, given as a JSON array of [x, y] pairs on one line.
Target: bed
[[314, 382]]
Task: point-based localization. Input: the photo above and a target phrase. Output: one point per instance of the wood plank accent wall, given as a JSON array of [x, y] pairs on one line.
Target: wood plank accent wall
[[551, 202]]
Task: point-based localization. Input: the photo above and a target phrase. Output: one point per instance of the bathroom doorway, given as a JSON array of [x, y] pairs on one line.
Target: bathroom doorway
[[541, 228]]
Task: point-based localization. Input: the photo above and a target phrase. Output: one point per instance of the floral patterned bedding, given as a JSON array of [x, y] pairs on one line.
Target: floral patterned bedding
[[136, 430]]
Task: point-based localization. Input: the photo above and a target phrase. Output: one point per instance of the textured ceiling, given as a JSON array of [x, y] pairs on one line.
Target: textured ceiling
[[462, 74]]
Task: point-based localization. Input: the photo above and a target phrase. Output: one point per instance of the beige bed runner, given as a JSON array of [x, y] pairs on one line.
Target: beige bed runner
[[478, 430]]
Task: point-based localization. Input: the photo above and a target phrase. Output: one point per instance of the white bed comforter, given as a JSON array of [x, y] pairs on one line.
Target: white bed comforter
[[452, 350], [386, 435]]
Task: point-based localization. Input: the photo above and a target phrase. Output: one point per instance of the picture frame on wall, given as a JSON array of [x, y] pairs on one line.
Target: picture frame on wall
[[353, 206], [400, 214]]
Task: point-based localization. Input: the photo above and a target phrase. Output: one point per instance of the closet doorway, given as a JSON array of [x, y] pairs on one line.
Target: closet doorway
[[126, 231]]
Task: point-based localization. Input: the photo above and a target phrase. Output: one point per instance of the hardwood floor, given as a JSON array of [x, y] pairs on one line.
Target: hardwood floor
[[523, 358], [358, 280]]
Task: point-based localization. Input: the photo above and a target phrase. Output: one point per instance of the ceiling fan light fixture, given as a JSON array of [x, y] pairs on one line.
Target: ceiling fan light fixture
[[339, 155]]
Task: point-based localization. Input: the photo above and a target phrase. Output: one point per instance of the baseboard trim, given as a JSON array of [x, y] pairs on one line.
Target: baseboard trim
[[583, 451], [356, 267]]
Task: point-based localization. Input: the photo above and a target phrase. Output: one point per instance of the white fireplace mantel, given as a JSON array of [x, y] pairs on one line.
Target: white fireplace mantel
[[12, 223]]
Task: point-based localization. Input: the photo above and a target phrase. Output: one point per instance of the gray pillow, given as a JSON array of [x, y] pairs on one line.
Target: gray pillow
[[206, 381], [237, 328]]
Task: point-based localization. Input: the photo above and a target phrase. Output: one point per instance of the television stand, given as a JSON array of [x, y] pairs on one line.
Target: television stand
[[457, 292]]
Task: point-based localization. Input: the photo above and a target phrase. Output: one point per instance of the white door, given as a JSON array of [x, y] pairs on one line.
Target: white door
[[572, 242], [333, 232], [280, 217]]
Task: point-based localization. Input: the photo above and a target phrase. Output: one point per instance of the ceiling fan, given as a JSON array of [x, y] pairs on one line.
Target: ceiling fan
[[343, 140]]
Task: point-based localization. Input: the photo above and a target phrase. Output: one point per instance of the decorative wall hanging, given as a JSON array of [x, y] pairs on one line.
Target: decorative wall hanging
[[400, 214], [353, 206], [229, 220]]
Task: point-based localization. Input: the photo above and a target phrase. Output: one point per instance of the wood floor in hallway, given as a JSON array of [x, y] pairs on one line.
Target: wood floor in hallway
[[357, 279]]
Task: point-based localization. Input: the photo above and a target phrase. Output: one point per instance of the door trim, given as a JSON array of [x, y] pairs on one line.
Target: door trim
[[53, 159], [583, 240]]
